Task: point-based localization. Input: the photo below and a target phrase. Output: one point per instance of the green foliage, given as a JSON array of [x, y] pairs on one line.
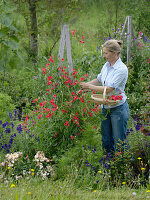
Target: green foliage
[[137, 85], [6, 106], [21, 86], [87, 164]]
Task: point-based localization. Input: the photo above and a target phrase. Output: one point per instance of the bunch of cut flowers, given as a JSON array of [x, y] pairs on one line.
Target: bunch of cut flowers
[[114, 97]]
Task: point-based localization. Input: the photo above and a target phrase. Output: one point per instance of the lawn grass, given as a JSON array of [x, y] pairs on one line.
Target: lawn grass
[[37, 189]]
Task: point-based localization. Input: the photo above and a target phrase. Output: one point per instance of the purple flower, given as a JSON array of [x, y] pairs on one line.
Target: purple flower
[[98, 48], [0, 121]]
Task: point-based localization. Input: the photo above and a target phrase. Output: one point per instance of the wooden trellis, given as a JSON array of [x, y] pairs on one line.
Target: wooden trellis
[[130, 35], [65, 41]]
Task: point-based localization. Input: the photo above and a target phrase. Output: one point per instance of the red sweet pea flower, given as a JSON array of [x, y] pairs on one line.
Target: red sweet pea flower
[[49, 115], [82, 79], [62, 59], [82, 37], [64, 111], [34, 100], [49, 82], [66, 123], [73, 32], [86, 75], [39, 116], [72, 137], [49, 78], [51, 60], [44, 70], [90, 114], [81, 42]]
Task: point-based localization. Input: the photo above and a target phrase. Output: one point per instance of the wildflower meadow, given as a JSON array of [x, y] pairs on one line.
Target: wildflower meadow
[[50, 129]]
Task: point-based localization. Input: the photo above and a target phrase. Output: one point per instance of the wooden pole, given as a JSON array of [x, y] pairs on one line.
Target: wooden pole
[[130, 35], [65, 41], [129, 38]]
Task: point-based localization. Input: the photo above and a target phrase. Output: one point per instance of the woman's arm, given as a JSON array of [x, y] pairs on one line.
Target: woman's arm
[[94, 85], [94, 82]]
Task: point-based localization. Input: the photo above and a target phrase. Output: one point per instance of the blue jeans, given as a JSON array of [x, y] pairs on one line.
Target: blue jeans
[[114, 128]]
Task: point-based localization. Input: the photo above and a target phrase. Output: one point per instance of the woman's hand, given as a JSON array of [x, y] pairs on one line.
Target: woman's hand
[[85, 86]]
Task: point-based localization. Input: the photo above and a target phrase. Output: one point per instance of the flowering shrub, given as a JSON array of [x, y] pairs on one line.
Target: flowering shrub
[[16, 166], [61, 113]]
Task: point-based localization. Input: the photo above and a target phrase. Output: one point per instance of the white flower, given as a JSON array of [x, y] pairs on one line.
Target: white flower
[[134, 193], [49, 168], [4, 163]]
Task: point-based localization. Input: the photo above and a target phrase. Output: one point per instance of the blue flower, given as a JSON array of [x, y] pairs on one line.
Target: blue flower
[[101, 159], [19, 128], [5, 124], [12, 125], [15, 112], [131, 129], [94, 150], [11, 141], [0, 121], [10, 115], [127, 133], [7, 130]]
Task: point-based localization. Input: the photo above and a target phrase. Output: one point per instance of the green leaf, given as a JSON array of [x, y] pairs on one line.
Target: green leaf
[[9, 8], [2, 34], [20, 55], [12, 28], [6, 19], [12, 44]]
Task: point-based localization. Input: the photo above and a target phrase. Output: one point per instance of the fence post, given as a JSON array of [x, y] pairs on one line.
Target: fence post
[[65, 41]]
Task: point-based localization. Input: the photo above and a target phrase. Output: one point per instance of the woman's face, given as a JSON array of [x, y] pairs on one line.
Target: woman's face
[[108, 55]]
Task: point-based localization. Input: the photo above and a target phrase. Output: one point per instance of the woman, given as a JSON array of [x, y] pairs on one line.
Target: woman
[[114, 75]]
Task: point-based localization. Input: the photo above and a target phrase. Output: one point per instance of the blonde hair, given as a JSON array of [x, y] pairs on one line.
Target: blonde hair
[[114, 45]]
